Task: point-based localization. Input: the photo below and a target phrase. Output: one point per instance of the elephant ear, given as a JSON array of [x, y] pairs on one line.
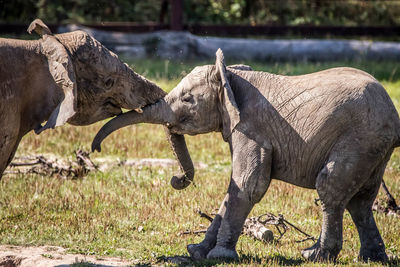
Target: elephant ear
[[229, 108], [62, 71]]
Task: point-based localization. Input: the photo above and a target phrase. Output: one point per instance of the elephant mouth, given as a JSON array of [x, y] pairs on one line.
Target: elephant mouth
[[174, 129], [112, 108]]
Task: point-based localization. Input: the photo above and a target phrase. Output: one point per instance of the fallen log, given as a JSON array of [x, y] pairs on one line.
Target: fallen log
[[256, 227], [51, 165], [252, 227], [54, 166]]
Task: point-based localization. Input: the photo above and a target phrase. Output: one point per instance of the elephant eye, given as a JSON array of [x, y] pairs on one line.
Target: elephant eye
[[109, 82], [187, 98]]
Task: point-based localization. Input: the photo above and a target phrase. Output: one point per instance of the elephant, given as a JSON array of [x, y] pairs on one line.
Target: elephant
[[332, 130], [67, 77]]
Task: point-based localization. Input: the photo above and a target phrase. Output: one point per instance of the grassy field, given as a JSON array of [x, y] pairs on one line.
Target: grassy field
[[134, 213]]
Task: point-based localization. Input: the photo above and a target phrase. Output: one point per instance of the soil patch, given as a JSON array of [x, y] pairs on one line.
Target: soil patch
[[45, 256]]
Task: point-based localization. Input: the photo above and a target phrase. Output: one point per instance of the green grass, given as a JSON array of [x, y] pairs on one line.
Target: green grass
[[134, 213]]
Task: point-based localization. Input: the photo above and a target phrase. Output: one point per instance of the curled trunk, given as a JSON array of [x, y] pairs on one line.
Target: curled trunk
[[178, 146], [155, 114]]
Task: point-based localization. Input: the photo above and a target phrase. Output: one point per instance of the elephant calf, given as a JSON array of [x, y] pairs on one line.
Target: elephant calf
[[67, 77], [332, 131]]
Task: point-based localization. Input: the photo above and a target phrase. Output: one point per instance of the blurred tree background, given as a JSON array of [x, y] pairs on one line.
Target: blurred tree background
[[253, 12]]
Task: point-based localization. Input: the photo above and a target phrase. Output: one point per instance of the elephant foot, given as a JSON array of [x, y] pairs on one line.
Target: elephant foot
[[377, 255], [197, 251], [316, 253], [219, 252]]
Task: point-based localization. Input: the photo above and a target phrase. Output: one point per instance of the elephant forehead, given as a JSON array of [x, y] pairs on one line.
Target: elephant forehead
[[196, 82], [198, 77], [200, 70], [184, 86]]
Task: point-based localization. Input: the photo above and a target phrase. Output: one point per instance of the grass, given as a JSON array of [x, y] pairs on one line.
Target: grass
[[133, 212]]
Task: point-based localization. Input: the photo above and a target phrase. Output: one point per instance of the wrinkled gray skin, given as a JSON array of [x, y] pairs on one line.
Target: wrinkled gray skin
[[63, 78], [332, 131]]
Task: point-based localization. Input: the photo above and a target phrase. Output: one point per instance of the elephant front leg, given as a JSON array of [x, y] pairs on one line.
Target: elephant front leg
[[200, 251], [251, 168], [9, 140]]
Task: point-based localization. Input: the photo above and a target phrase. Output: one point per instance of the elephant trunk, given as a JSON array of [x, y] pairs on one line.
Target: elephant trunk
[[150, 114], [178, 146], [142, 91], [158, 113]]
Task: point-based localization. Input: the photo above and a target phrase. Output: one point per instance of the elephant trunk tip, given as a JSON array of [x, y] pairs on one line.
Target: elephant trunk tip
[[182, 181], [96, 144]]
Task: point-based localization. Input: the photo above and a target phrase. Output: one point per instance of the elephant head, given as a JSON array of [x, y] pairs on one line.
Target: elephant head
[[95, 83], [202, 102]]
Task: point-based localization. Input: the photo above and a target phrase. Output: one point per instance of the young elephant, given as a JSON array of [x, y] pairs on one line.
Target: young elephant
[[63, 78], [332, 131]]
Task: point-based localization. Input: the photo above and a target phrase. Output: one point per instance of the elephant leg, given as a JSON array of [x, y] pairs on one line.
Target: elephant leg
[[9, 140], [8, 146], [348, 168], [330, 241], [200, 251], [251, 169], [360, 208]]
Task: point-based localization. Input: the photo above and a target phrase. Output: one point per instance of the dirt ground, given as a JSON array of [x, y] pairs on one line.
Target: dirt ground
[[45, 256]]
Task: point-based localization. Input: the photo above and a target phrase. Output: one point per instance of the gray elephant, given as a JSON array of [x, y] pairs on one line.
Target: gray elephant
[[70, 78], [332, 131]]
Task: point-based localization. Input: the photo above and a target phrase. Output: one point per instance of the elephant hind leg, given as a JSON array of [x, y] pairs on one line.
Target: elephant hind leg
[[360, 208], [348, 169], [329, 244]]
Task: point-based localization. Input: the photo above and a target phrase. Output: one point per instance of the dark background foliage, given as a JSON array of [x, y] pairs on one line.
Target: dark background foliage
[[282, 12]]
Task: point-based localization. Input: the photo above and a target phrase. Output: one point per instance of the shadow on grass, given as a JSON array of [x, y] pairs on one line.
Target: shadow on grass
[[393, 261], [243, 260], [278, 259], [182, 260], [85, 264]]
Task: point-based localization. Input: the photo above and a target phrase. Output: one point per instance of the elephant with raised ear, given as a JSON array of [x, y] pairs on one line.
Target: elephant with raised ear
[[332, 131], [67, 77]]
